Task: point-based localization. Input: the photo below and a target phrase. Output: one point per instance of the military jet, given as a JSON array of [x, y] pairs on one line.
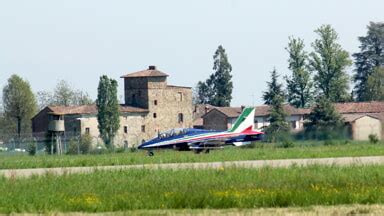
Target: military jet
[[197, 140]]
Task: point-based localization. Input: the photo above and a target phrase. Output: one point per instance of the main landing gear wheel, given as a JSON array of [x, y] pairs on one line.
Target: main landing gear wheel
[[150, 154], [206, 151]]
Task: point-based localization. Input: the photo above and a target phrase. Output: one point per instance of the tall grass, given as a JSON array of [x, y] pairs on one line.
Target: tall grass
[[260, 152], [108, 191]]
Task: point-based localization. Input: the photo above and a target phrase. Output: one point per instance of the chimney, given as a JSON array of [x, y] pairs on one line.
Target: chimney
[[206, 109], [152, 67]]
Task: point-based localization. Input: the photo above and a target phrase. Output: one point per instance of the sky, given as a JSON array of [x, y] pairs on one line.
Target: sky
[[45, 41]]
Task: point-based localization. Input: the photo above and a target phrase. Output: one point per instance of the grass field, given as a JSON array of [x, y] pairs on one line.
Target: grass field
[[266, 151], [110, 191]]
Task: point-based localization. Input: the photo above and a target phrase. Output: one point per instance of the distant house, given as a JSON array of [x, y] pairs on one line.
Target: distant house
[[364, 118], [198, 111], [222, 118]]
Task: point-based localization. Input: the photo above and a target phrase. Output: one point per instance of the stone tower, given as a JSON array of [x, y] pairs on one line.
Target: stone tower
[[169, 106]]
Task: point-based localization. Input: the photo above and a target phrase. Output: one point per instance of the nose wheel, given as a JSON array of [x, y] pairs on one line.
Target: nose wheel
[[150, 154]]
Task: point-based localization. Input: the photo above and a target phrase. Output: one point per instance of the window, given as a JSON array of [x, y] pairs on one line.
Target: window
[[180, 96], [293, 124], [180, 118], [155, 102], [143, 128], [87, 130], [154, 115], [125, 129]]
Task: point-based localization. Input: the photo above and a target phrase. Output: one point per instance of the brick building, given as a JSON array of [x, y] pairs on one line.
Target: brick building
[[364, 118], [151, 106]]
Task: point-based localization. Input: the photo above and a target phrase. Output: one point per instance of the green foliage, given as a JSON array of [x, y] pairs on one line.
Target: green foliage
[[371, 56], [80, 146], [324, 121], [108, 107], [217, 188], [85, 144], [329, 62], [299, 84], [73, 146], [31, 148], [375, 85], [274, 97], [65, 95], [19, 104], [373, 138], [217, 89], [274, 89]]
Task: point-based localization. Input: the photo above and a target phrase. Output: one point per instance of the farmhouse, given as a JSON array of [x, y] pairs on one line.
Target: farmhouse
[[151, 106], [364, 118]]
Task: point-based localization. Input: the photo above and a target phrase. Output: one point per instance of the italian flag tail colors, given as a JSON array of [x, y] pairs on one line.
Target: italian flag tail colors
[[245, 122]]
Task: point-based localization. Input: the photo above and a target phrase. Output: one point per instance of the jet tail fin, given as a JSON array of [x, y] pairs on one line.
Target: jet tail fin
[[245, 121]]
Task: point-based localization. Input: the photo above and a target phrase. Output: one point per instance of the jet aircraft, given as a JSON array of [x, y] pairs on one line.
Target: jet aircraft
[[187, 139]]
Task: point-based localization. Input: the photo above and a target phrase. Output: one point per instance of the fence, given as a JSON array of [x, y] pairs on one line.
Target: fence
[[61, 143]]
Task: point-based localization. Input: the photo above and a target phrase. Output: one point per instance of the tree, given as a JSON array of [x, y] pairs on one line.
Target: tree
[[299, 85], [63, 95], [329, 62], [274, 88], [375, 85], [44, 98], [277, 116], [204, 92], [108, 107], [371, 56], [324, 121], [217, 89], [19, 103]]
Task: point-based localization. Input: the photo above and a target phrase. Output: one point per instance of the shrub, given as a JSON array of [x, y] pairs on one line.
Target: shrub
[[31, 148], [373, 138], [120, 150], [73, 146], [285, 144], [329, 142], [85, 144]]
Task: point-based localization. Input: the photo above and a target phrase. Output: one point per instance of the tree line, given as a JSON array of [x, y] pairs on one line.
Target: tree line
[[20, 104], [318, 79]]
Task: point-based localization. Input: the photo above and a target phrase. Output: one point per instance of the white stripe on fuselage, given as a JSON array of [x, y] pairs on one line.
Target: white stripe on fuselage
[[188, 139]]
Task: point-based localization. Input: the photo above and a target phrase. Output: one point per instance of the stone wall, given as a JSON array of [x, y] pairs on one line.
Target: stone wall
[[215, 120], [165, 107]]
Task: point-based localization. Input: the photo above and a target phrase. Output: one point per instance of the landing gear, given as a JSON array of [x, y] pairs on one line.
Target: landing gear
[[197, 151], [150, 154], [206, 151]]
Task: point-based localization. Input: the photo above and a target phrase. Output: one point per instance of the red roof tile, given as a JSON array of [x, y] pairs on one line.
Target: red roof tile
[[89, 109], [360, 107], [150, 72]]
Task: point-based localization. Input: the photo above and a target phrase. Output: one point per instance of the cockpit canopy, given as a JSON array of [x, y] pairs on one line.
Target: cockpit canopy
[[172, 132]]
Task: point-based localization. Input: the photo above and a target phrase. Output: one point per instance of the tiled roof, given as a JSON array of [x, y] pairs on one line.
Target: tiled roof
[[360, 107], [234, 112], [201, 109], [231, 112], [150, 72], [89, 109], [354, 117], [290, 110]]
